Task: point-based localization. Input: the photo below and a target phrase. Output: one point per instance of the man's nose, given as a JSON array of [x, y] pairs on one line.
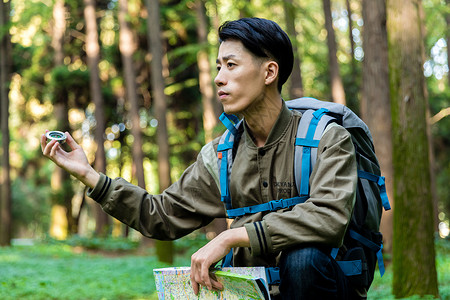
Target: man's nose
[[220, 79]]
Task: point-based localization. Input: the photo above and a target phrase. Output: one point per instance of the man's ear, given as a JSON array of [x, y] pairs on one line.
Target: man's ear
[[272, 69]]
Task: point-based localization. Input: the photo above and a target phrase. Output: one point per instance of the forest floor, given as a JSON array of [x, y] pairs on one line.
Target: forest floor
[[119, 269]]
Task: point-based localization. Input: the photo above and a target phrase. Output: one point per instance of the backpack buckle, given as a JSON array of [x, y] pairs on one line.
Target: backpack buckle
[[275, 205]]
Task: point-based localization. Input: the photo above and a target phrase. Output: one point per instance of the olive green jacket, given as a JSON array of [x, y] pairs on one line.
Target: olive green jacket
[[258, 175]]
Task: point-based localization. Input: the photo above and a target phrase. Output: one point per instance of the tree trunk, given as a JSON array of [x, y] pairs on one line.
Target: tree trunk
[[103, 222], [62, 222], [414, 262], [337, 87], [127, 47], [207, 88], [164, 249], [5, 179], [447, 19], [350, 36], [296, 82], [59, 28], [375, 101]]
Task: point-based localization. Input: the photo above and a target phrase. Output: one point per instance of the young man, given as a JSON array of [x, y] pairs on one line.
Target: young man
[[254, 61]]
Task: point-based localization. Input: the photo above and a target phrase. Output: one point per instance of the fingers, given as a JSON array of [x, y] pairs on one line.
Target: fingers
[[204, 280], [195, 286], [201, 275], [70, 141], [47, 148], [43, 142], [216, 285], [54, 148]]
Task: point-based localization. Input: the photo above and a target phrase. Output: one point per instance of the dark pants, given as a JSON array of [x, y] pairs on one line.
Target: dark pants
[[311, 273]]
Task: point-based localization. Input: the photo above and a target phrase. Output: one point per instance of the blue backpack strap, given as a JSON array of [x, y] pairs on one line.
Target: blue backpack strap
[[334, 252], [374, 247], [380, 180], [269, 206], [273, 275], [351, 267], [225, 155], [230, 122], [348, 267], [225, 144], [227, 261], [309, 131]]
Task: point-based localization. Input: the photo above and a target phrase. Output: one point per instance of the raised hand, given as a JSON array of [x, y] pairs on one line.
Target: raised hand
[[75, 162]]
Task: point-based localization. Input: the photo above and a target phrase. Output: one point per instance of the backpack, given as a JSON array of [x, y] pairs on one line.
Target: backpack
[[362, 247]]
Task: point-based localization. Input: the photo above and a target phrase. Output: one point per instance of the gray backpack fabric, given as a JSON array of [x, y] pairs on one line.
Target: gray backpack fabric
[[363, 241]]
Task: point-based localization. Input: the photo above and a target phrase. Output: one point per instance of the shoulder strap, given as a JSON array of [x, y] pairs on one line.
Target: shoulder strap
[[225, 155], [309, 131]]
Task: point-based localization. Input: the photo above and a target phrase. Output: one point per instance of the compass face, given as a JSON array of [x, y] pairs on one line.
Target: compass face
[[56, 135]]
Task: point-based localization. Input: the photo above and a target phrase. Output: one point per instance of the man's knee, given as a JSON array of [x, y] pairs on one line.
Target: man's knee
[[305, 260], [309, 273]]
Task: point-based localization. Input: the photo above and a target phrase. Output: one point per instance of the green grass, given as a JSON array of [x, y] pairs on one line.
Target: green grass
[[382, 287], [55, 270]]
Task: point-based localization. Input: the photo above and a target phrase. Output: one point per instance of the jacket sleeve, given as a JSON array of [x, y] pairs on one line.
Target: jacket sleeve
[[190, 203], [324, 217]]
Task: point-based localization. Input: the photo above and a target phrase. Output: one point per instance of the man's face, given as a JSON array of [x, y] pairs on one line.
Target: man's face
[[240, 78]]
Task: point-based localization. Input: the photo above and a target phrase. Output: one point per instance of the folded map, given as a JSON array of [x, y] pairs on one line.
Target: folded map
[[239, 283]]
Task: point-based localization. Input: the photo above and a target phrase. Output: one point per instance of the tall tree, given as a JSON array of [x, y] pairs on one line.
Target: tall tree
[[164, 249], [5, 179], [61, 213], [296, 81], [93, 59], [414, 262], [375, 101], [207, 88], [127, 47], [337, 87]]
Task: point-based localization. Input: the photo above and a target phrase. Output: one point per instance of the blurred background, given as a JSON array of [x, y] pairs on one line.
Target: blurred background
[[132, 81]]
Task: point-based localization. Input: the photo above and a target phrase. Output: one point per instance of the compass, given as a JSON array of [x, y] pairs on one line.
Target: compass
[[56, 135]]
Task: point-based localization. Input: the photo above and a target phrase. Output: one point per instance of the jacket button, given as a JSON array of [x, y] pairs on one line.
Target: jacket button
[[265, 184], [262, 152]]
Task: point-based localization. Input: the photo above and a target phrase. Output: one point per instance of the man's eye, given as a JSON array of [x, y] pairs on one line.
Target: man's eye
[[218, 68], [230, 65]]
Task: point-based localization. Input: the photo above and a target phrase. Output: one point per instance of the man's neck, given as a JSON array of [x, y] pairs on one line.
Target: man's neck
[[262, 117]]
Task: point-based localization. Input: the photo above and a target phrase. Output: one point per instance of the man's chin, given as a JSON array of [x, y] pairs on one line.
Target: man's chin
[[229, 110]]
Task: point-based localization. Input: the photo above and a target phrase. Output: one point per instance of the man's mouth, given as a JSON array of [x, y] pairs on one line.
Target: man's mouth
[[222, 94]]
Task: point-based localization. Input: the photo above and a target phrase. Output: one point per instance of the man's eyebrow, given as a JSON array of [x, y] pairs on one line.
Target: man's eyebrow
[[225, 58]]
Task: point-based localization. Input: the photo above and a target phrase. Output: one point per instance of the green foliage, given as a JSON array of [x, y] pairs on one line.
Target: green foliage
[[96, 243], [189, 244], [441, 142], [30, 206], [382, 286], [66, 82]]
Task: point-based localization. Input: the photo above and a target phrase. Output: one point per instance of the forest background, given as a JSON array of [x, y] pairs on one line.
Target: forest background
[[133, 82]]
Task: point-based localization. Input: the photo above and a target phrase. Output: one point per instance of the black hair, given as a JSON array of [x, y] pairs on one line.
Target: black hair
[[263, 38]]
